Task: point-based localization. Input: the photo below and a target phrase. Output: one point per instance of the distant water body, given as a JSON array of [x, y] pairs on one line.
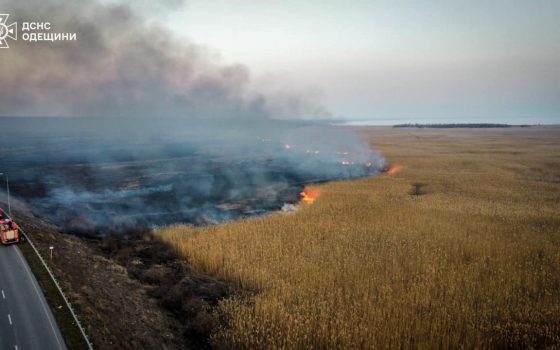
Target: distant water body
[[391, 122]]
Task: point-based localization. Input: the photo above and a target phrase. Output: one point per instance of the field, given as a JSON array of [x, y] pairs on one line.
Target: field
[[461, 248]]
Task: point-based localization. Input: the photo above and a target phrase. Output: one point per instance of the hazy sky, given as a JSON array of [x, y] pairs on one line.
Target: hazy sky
[[419, 60], [385, 60]]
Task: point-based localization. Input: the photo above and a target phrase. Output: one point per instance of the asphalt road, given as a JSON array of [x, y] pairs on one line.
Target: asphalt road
[[26, 322]]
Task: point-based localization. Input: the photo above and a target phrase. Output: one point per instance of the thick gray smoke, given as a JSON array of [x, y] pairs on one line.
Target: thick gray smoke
[[157, 131], [121, 64]]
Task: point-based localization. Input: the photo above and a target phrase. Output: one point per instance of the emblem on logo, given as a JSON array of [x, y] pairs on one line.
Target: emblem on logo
[[7, 31]]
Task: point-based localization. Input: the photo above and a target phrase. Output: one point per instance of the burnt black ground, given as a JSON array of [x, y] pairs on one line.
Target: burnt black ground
[[96, 176]]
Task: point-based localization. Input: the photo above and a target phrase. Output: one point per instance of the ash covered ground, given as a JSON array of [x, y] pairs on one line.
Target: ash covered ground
[[99, 176]]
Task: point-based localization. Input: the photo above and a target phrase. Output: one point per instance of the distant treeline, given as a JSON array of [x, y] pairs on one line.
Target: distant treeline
[[467, 125]]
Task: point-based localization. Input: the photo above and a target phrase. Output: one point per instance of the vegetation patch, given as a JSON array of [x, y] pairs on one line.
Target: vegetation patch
[[476, 264], [189, 296], [418, 189]]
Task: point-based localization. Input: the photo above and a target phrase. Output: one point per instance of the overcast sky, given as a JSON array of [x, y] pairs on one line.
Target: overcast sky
[[411, 60]]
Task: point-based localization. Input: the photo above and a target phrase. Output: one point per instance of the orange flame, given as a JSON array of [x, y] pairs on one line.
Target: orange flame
[[309, 195], [394, 168]]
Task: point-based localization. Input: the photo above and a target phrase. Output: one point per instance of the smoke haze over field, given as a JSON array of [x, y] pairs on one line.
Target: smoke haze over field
[[96, 176], [135, 128]]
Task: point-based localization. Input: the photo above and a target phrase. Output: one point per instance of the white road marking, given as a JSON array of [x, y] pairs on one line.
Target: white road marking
[[16, 347], [10, 319], [3, 295], [38, 295]]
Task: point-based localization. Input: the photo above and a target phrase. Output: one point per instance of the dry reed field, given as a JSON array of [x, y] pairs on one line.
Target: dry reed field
[[460, 249]]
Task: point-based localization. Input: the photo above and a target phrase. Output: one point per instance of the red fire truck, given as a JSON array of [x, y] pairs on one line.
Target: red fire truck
[[9, 231]]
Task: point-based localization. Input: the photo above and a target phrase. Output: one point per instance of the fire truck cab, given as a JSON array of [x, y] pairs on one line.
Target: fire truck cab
[[9, 231]]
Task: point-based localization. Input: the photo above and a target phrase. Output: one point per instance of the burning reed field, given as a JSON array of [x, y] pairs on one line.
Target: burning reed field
[[457, 247]]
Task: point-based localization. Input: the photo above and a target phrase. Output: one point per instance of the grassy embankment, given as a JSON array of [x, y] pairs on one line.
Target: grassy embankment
[[68, 327], [460, 248]]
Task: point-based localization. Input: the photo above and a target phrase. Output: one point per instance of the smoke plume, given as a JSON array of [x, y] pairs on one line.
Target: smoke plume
[[138, 128], [122, 64]]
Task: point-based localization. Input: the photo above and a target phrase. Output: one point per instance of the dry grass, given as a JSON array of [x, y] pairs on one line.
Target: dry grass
[[470, 258]]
